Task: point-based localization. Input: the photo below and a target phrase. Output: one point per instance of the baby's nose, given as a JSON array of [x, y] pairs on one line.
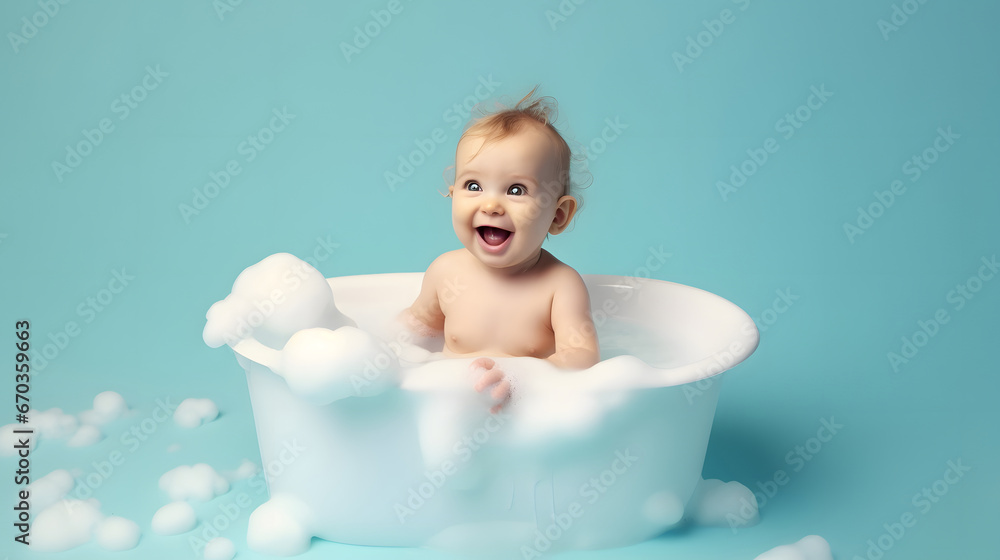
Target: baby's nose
[[492, 206]]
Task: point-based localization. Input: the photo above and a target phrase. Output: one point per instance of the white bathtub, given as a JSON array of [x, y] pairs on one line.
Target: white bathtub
[[602, 458]]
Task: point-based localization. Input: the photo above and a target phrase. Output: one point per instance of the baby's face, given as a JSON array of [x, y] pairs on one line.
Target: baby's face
[[507, 197]]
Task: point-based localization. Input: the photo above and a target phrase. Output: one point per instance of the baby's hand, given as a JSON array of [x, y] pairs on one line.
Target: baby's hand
[[492, 376]]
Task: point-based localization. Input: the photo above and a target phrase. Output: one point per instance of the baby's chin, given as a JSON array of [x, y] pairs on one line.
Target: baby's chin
[[504, 262]]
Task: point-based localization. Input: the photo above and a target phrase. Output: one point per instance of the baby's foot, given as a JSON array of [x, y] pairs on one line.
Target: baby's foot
[[492, 376]]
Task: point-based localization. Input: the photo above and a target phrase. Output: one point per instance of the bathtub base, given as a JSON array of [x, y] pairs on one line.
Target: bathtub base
[[353, 472]]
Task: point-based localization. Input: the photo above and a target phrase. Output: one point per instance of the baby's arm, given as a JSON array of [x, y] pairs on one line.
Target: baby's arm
[[425, 317], [572, 325]]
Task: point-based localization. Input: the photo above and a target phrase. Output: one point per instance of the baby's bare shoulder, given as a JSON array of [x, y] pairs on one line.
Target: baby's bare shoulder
[[445, 265], [563, 276], [451, 260], [570, 298], [442, 260]]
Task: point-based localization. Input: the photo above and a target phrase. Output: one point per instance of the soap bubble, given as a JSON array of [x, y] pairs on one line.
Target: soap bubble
[[272, 300]]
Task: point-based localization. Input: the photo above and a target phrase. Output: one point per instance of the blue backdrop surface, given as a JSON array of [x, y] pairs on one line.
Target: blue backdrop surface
[[825, 166]]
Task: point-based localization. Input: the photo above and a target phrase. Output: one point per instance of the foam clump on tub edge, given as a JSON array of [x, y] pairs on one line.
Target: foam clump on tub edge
[[287, 305], [272, 300], [813, 547], [322, 366]]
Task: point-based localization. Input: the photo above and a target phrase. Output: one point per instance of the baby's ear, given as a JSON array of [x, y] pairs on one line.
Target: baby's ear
[[565, 210]]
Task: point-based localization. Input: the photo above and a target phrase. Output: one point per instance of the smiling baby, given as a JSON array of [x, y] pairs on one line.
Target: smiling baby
[[503, 295]]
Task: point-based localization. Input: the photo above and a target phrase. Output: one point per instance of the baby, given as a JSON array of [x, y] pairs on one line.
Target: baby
[[502, 295]]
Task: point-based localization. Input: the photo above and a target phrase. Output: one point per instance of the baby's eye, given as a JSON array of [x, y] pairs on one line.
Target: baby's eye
[[473, 186], [517, 190]]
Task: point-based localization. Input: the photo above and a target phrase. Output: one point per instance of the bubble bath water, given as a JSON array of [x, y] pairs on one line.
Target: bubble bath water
[[368, 436]]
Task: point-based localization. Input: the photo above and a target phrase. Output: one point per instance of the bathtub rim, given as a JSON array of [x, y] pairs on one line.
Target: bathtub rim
[[705, 368]]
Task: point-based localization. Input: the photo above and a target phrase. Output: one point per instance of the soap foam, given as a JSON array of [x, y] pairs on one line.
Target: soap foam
[[65, 524], [192, 413], [323, 365], [174, 518], [196, 482], [85, 435], [247, 469], [220, 548], [108, 406], [716, 502], [284, 303], [49, 489], [272, 300], [117, 533], [813, 547], [55, 424], [280, 527], [62, 524]]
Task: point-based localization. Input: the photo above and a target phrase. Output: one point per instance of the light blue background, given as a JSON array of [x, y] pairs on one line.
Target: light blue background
[[654, 185]]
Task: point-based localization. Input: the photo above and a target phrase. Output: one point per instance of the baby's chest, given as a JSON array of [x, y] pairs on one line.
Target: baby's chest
[[484, 318]]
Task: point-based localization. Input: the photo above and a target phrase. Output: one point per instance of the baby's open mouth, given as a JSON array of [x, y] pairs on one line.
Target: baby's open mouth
[[493, 236]]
